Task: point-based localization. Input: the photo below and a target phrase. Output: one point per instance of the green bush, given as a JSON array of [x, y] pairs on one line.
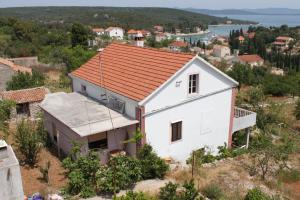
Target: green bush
[[28, 142], [133, 196], [213, 191], [169, 192], [26, 80], [189, 192], [256, 194], [5, 109], [289, 175], [121, 173], [201, 156], [297, 110], [81, 172], [152, 166]]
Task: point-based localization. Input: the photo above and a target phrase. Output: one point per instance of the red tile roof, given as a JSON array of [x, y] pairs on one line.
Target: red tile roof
[[284, 38], [179, 44], [96, 30], [25, 95], [132, 71], [132, 31], [241, 38], [250, 58]]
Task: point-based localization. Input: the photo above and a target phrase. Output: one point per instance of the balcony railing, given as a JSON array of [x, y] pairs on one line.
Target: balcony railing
[[243, 119]]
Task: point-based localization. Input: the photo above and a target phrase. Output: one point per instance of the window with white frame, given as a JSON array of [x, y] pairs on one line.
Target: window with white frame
[[193, 83]]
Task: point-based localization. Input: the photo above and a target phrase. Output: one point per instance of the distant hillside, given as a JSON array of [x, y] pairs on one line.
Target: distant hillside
[[117, 16], [221, 12], [263, 11]]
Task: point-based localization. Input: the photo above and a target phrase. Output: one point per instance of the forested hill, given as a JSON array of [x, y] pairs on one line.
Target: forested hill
[[114, 16]]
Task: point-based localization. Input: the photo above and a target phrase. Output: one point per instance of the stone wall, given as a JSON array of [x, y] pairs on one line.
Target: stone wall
[[25, 61], [5, 75]]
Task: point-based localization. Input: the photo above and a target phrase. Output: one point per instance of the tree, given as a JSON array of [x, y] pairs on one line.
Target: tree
[[26, 80], [255, 96], [5, 109], [79, 35], [297, 110], [28, 142]]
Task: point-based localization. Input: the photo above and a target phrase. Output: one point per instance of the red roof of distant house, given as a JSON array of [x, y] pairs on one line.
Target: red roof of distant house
[[283, 38], [250, 58], [241, 38], [132, 71], [97, 30], [15, 67], [132, 31], [25, 95], [179, 44]]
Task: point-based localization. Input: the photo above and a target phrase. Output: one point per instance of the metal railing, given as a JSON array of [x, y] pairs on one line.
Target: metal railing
[[243, 119]]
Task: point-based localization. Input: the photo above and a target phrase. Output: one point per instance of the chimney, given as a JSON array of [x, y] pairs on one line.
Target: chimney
[[3, 150]]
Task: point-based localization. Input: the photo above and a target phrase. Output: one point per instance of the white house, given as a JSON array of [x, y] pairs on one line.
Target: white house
[[114, 32], [221, 51], [179, 101], [252, 60]]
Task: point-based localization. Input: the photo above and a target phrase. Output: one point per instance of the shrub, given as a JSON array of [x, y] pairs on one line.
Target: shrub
[[81, 172], [256, 194], [169, 192], [189, 192], [28, 142], [133, 196], [213, 191], [26, 80], [201, 156], [121, 173], [5, 109], [152, 166], [297, 110], [289, 175]]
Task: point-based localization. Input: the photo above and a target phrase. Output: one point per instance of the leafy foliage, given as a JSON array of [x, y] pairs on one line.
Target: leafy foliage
[[256, 194], [134, 196], [213, 191], [169, 192], [81, 172], [151, 165], [79, 35], [297, 110], [5, 109], [26, 80], [121, 173], [28, 142]]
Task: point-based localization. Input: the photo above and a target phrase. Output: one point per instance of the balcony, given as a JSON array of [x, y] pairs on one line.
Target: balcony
[[243, 119]]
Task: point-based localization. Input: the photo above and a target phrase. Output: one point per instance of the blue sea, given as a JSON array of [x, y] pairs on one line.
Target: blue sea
[[263, 20]]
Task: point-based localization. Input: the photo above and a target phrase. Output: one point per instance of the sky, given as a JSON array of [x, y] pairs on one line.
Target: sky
[[207, 4]]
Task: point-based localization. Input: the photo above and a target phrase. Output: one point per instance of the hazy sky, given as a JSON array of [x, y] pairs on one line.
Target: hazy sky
[[211, 4]]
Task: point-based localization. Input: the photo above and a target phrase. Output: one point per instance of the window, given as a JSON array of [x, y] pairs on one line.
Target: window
[[176, 131], [54, 132], [83, 88], [193, 83], [22, 108], [99, 144]]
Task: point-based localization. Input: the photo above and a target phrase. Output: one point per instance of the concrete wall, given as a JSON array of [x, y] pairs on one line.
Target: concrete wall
[[11, 187], [26, 61], [5, 75], [95, 91]]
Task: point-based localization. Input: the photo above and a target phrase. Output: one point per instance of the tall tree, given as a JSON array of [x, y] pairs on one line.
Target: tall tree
[[79, 35]]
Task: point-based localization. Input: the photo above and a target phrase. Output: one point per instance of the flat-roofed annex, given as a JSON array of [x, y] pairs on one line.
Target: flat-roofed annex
[[82, 114]]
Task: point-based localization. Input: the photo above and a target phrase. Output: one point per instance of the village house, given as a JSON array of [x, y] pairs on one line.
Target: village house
[[132, 33], [11, 187], [158, 28], [98, 31], [27, 101], [179, 102], [252, 60], [221, 51], [8, 69], [160, 37], [178, 45], [282, 42], [114, 32], [241, 39]]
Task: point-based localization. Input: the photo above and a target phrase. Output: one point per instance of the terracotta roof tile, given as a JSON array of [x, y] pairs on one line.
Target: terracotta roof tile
[[180, 44], [132, 71], [25, 95], [250, 58]]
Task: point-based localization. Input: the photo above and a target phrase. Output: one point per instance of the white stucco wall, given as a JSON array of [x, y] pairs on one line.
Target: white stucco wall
[[115, 32], [209, 81], [205, 122], [95, 91]]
